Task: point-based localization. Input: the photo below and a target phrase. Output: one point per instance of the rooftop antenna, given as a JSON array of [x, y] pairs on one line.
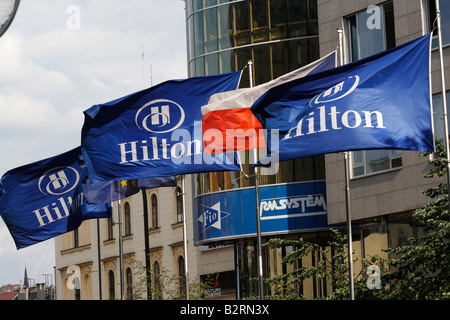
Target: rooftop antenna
[[151, 76], [143, 68]]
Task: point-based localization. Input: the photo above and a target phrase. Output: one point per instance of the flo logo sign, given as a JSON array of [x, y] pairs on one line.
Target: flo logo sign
[[212, 217], [160, 116], [58, 181], [230, 214]]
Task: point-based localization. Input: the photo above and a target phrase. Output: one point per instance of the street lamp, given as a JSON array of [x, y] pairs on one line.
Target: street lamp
[[8, 9]]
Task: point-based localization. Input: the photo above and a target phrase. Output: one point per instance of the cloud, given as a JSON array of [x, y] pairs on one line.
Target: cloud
[[51, 73], [20, 71], [32, 112], [38, 259]]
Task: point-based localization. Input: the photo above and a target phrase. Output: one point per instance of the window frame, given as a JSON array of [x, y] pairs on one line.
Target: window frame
[[154, 210], [348, 33], [393, 155], [157, 280], [109, 228], [111, 285], [127, 219], [182, 276], [179, 204], [438, 115], [349, 21], [129, 285], [428, 22], [76, 238]]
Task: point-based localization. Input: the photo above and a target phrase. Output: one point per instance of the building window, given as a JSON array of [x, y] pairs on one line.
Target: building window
[[369, 32], [225, 28], [182, 276], [210, 30], [154, 211], [129, 277], [157, 280], [438, 115], [429, 7], [127, 219], [373, 161], [277, 36], [179, 197], [215, 30], [112, 285], [77, 289], [76, 238], [110, 231]]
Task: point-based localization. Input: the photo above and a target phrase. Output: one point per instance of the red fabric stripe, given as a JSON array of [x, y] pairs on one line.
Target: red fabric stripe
[[244, 131]]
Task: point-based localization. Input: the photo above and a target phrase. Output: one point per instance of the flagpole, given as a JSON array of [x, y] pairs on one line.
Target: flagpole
[[99, 261], [347, 195], [113, 185], [120, 251], [146, 244], [186, 273], [444, 96], [258, 218]]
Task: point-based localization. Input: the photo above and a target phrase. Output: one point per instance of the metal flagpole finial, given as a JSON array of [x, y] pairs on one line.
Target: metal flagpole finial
[[248, 65]]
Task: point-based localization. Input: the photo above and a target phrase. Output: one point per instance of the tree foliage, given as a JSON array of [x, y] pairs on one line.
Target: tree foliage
[[418, 270], [163, 284], [422, 269]]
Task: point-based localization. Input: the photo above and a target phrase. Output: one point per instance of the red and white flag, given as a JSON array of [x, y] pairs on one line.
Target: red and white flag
[[228, 124]]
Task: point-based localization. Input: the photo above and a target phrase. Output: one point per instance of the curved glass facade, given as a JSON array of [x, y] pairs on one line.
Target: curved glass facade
[[278, 36]]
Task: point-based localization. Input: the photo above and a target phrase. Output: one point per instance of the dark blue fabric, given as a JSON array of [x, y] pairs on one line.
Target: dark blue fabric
[[155, 132], [105, 192], [45, 199], [381, 102]]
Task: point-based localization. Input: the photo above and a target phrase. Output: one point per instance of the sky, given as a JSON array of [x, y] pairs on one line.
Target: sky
[[57, 59]]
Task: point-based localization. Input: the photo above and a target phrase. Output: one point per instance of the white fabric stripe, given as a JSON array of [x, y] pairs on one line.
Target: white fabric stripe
[[244, 98]]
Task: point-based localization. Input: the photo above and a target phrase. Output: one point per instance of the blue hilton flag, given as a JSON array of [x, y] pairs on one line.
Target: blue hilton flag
[[381, 102], [155, 132], [45, 199]]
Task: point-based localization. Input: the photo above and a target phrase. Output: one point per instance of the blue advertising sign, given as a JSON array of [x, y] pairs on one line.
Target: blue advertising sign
[[283, 208]]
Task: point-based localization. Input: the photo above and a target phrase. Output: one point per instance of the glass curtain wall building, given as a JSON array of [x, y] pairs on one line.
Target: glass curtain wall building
[[278, 37]]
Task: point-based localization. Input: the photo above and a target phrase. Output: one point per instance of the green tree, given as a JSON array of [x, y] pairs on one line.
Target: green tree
[[334, 268], [421, 269], [418, 270], [165, 285]]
